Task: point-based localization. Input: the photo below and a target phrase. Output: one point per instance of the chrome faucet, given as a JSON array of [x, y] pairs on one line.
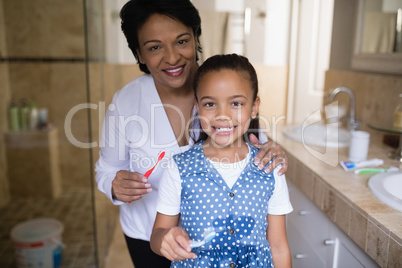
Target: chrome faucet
[[352, 122]]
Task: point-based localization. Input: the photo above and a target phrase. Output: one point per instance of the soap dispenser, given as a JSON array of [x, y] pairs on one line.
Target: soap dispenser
[[398, 113]]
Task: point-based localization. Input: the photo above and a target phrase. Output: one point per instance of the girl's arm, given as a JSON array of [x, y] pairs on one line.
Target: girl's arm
[[170, 241], [276, 236]]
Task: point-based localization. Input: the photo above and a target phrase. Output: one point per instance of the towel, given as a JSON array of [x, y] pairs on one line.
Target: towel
[[379, 32]]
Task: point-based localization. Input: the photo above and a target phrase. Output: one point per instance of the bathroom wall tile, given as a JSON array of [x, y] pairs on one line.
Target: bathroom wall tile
[[4, 103], [329, 205], [394, 254], [39, 29], [376, 95], [324, 198], [342, 214], [377, 244], [291, 172], [304, 180], [358, 228]]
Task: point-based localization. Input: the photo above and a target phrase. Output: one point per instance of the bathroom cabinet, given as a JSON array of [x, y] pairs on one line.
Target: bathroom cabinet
[[315, 241]]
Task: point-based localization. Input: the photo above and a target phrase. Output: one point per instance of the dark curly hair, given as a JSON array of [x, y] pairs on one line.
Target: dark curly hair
[[136, 12]]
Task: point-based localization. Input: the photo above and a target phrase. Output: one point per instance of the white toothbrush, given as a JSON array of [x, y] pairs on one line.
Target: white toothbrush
[[208, 235]]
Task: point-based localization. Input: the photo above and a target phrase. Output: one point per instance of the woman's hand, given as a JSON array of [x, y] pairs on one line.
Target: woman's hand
[[175, 245], [267, 152], [130, 186]]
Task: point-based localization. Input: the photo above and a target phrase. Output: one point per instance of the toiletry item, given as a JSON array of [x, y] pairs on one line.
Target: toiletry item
[[348, 165], [208, 235], [375, 170], [359, 145], [33, 117], [13, 117], [24, 115], [398, 113], [43, 117]]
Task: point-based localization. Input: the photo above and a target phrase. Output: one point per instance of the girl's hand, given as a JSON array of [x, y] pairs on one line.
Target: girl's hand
[[175, 245], [267, 152], [129, 186]]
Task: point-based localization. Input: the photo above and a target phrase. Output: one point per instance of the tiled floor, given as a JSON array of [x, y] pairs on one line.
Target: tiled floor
[[73, 208], [118, 255]]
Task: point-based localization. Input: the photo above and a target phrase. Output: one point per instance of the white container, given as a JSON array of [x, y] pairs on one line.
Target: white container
[[359, 145], [38, 243]]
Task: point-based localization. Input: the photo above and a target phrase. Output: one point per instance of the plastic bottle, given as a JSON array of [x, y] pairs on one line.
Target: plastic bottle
[[24, 115], [398, 113], [33, 117], [13, 116]]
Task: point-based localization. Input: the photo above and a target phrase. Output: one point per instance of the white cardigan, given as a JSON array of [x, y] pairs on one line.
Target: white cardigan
[[135, 130]]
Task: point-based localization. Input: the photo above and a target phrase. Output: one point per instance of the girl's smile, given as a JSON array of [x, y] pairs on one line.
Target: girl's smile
[[225, 104]]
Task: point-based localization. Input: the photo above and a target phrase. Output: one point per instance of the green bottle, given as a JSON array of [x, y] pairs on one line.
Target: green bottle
[[24, 113], [13, 116]]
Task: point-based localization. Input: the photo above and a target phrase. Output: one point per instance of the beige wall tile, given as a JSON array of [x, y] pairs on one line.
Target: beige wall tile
[[320, 193], [4, 103], [44, 29], [358, 228], [377, 244], [342, 214], [394, 254], [304, 180], [376, 95]]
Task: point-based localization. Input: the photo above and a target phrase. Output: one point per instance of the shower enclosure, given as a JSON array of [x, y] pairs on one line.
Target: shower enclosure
[[53, 73]]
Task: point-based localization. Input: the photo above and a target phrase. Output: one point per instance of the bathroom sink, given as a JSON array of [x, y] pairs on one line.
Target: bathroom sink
[[387, 187], [319, 134]]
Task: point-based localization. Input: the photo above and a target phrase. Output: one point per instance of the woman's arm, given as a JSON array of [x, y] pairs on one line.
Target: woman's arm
[[112, 175], [269, 151], [277, 238], [170, 241]]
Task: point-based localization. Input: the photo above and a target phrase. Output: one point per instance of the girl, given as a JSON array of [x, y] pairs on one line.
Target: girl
[[215, 183]]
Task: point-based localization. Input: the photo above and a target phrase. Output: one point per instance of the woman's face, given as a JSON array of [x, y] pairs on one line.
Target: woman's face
[[168, 48]]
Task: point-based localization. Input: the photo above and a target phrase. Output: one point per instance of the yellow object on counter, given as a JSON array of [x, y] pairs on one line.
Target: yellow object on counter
[[398, 114]]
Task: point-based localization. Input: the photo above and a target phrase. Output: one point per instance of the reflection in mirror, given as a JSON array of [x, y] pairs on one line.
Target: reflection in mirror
[[378, 37], [382, 23]]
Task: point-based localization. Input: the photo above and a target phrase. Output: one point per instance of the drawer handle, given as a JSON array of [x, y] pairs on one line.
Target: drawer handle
[[300, 256], [303, 212], [329, 242]]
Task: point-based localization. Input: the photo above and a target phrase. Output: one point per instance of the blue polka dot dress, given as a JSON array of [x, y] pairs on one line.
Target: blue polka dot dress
[[237, 214]]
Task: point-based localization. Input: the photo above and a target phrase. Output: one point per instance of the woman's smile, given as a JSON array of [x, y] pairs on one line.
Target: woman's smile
[[174, 71]]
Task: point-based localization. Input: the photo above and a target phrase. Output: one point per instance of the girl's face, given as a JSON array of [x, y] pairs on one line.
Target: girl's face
[[225, 105], [168, 48]]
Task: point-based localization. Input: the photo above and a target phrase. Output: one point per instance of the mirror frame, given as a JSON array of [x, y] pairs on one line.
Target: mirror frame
[[379, 63]]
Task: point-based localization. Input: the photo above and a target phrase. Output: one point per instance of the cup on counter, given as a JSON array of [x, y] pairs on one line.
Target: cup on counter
[[359, 145]]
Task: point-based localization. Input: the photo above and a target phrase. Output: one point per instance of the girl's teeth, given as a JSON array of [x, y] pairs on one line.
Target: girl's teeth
[[224, 129]]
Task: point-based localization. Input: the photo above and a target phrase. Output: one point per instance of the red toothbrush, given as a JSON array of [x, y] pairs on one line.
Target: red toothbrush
[[160, 156]]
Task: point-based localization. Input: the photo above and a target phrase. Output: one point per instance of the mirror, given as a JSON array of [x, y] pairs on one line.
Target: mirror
[[378, 43]]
